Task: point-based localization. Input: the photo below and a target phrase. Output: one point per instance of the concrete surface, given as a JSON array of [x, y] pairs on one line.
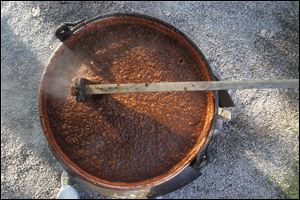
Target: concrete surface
[[256, 155]]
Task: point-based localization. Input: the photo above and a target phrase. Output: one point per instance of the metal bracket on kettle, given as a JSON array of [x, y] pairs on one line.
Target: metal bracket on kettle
[[223, 100], [64, 31]]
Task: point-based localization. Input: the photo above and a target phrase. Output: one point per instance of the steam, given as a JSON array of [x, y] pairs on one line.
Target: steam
[[61, 72]]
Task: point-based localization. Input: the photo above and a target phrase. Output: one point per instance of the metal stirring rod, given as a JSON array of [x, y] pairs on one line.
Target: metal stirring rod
[[82, 90]]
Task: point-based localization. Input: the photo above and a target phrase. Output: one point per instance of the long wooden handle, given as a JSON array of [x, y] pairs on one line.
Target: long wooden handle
[[189, 86]]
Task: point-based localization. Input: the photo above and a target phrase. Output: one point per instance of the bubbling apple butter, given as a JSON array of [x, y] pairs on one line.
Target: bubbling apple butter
[[135, 136]]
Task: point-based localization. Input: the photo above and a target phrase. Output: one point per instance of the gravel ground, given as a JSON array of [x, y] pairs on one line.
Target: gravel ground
[[255, 156]]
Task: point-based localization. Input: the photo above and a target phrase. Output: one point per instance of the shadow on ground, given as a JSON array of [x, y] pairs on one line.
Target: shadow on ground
[[23, 148]]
